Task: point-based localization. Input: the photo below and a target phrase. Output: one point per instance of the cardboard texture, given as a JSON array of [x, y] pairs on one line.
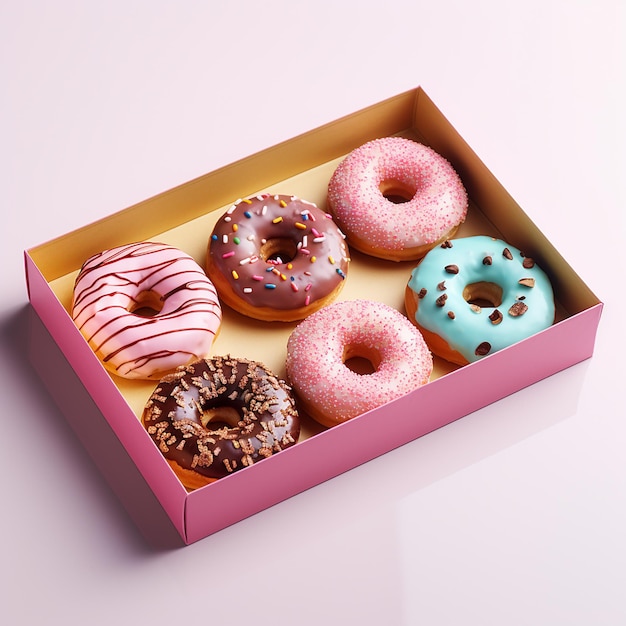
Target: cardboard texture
[[184, 217]]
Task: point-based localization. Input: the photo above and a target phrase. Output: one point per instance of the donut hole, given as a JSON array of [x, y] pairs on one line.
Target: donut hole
[[146, 304], [483, 294], [220, 416], [396, 191], [278, 249], [361, 359]]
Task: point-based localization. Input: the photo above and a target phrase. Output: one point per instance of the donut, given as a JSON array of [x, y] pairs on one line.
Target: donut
[[395, 199], [219, 415], [473, 296], [277, 258], [320, 348], [145, 308]]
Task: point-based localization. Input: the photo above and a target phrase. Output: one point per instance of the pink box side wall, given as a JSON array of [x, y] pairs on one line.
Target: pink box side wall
[[333, 452], [407, 418], [127, 428]]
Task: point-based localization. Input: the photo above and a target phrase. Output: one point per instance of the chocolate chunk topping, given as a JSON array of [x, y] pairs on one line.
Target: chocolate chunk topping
[[527, 282], [496, 317], [422, 292], [482, 349], [441, 300], [442, 286], [506, 253], [452, 269], [446, 244], [451, 315], [487, 260], [519, 308], [528, 263]]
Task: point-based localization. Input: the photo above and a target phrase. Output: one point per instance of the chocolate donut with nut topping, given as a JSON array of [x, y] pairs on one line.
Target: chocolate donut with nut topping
[[218, 415]]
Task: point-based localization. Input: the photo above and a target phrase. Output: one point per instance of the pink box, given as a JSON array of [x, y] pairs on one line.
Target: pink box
[[300, 166]]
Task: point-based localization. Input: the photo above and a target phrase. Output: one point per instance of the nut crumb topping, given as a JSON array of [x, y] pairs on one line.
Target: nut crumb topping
[[483, 348], [191, 416], [496, 317], [527, 282], [517, 309]]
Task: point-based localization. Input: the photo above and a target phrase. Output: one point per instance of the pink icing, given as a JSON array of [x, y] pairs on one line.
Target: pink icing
[[111, 285], [438, 200], [316, 349]]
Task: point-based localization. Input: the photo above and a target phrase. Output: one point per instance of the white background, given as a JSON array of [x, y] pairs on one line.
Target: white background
[[513, 515]]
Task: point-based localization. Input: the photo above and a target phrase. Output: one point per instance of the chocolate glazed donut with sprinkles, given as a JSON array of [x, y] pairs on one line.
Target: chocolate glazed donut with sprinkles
[[219, 415], [473, 296], [277, 258]]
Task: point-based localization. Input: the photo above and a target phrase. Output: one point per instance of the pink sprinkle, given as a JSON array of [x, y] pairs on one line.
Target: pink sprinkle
[[308, 287], [307, 301], [304, 251], [294, 286], [257, 277], [227, 255]]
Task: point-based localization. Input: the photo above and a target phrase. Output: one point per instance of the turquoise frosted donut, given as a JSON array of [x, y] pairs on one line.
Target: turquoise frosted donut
[[473, 296]]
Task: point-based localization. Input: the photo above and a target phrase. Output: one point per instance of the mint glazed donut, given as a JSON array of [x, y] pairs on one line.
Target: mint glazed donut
[[473, 296]]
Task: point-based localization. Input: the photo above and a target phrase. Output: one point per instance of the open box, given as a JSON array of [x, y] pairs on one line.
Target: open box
[[184, 217]]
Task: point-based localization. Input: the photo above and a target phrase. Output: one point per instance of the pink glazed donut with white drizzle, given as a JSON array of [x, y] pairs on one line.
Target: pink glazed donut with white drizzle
[[395, 199], [320, 347], [145, 308]]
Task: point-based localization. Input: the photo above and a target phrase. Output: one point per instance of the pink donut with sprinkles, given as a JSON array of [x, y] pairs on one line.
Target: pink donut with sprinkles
[[396, 199], [320, 349]]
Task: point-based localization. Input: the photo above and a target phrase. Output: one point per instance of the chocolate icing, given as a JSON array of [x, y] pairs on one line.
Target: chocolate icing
[[265, 417], [278, 252]]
